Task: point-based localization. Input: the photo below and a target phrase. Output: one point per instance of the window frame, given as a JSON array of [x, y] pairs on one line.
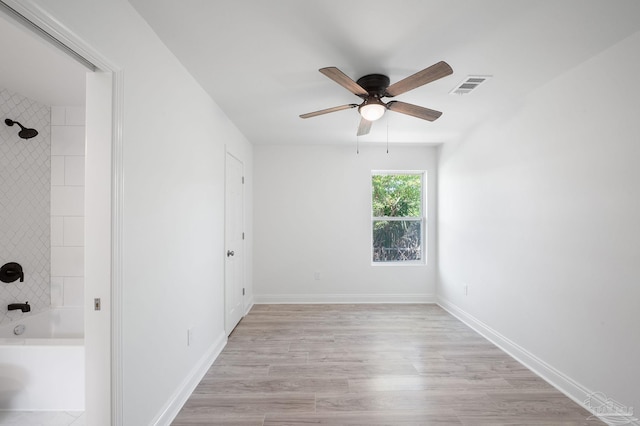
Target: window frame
[[422, 218]]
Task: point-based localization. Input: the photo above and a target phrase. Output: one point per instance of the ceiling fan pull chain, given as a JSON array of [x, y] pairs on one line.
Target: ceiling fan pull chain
[[387, 135]]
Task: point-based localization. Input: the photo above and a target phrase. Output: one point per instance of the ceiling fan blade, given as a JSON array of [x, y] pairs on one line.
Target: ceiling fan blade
[[414, 110], [427, 75], [343, 80], [328, 110], [364, 127]]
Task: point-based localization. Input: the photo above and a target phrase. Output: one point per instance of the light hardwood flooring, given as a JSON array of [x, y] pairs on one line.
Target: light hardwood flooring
[[369, 365]]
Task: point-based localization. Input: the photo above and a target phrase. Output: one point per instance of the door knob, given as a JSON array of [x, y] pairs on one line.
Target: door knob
[[230, 253]]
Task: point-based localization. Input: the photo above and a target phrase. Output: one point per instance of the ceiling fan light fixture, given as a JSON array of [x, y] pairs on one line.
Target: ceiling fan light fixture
[[372, 109]]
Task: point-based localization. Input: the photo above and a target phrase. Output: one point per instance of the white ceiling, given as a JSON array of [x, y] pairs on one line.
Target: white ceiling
[[259, 59], [34, 68]]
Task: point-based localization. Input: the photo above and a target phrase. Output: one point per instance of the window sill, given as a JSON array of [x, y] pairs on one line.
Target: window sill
[[405, 263]]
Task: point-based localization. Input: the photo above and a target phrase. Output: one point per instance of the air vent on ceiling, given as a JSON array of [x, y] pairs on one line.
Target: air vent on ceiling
[[469, 84]]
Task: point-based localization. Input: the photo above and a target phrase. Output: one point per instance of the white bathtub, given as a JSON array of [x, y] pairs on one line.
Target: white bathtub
[[43, 368]]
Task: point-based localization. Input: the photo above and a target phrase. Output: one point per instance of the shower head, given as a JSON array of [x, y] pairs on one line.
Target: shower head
[[24, 133]]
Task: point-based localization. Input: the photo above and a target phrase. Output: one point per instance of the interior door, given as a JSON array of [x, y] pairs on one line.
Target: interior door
[[234, 244]]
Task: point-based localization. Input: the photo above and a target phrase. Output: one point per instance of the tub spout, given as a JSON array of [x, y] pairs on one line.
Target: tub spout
[[24, 307]]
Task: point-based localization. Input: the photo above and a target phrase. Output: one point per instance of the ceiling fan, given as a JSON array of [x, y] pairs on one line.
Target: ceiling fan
[[373, 87]]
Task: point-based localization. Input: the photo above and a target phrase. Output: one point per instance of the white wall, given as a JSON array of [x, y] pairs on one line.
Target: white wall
[[313, 214], [538, 215], [67, 205], [174, 139]]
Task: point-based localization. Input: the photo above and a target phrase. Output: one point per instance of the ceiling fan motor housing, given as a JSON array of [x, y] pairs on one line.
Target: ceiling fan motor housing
[[375, 84]]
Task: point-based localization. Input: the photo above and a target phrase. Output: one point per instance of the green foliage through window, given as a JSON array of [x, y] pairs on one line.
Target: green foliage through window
[[397, 195], [397, 217]]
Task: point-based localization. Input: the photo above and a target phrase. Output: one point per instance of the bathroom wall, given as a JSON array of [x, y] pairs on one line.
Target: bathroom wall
[[67, 205], [25, 176]]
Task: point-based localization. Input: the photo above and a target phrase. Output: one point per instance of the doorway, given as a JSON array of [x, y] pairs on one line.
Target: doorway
[[234, 242], [103, 200]]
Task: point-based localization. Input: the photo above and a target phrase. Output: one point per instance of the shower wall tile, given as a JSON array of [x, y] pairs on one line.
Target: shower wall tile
[[73, 233], [67, 261], [67, 291], [57, 230], [25, 181], [75, 116], [57, 170], [74, 171], [57, 291], [67, 201], [58, 116], [67, 140], [67, 206], [73, 291]]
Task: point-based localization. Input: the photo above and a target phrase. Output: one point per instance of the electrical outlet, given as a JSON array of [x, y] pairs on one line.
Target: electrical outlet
[[316, 276]]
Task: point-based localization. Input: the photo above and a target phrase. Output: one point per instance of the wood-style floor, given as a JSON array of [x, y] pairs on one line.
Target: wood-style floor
[[369, 365]]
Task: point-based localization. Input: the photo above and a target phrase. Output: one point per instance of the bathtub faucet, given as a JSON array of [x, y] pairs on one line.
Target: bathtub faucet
[[24, 307]]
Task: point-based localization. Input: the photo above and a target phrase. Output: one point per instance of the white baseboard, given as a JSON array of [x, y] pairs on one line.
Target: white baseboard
[[262, 299], [171, 409], [565, 384], [248, 306]]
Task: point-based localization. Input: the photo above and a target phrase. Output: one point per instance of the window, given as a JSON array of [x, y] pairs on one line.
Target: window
[[397, 218]]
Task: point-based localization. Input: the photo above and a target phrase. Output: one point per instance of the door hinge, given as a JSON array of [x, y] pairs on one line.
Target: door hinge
[[243, 235], [243, 291], [243, 179]]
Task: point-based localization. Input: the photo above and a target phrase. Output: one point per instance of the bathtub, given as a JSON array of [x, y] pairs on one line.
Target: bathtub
[[43, 367]]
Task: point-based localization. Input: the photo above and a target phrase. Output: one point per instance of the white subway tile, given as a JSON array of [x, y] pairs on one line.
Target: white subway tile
[[67, 201], [58, 114], [73, 291], [67, 261], [57, 170], [75, 116], [67, 140], [74, 231], [74, 170], [57, 231], [57, 291]]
